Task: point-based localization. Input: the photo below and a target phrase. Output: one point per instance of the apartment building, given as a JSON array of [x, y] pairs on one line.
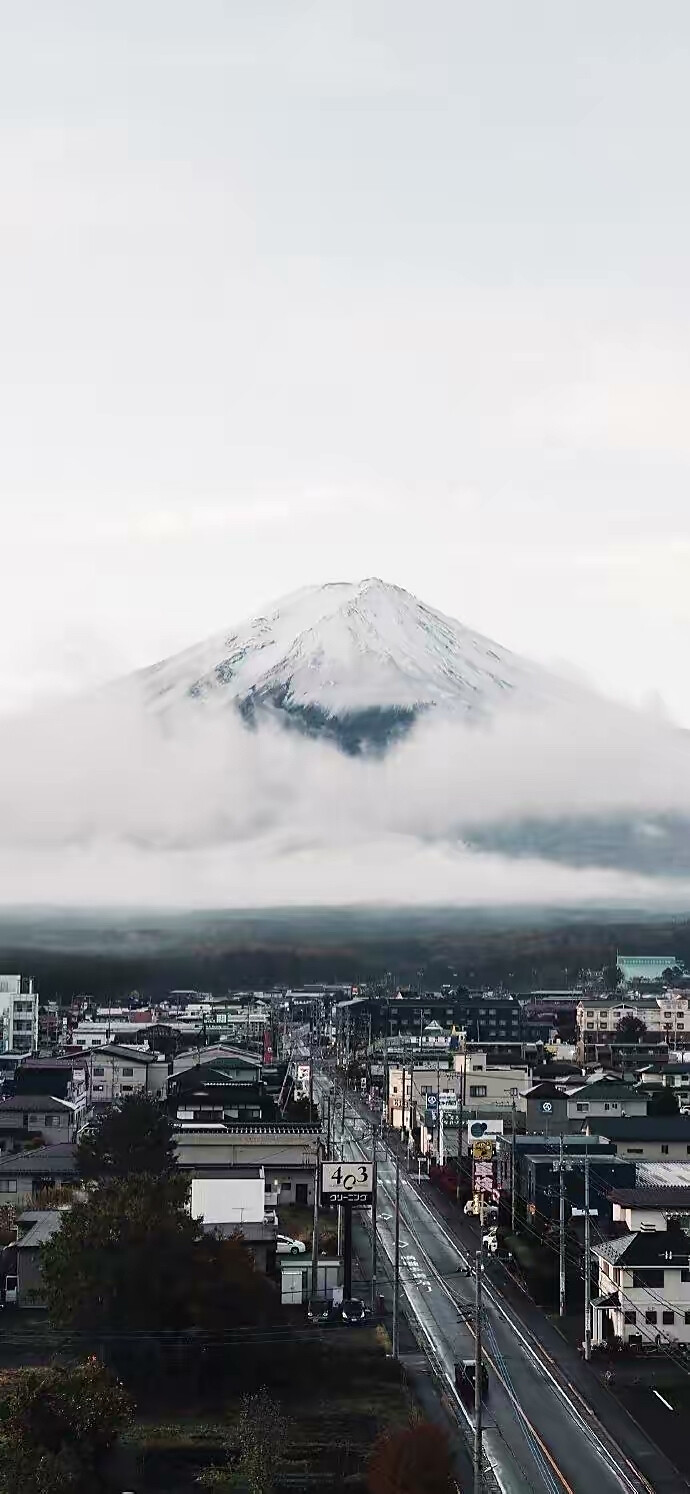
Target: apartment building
[[666, 1017], [18, 1014]]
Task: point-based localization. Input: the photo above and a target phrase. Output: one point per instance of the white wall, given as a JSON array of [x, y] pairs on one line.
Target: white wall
[[228, 1200]]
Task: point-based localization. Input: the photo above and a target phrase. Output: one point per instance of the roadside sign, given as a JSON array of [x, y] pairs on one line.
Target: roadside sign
[[482, 1151], [348, 1183]]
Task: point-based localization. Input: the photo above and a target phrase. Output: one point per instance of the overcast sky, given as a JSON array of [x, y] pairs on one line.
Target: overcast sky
[[293, 292]]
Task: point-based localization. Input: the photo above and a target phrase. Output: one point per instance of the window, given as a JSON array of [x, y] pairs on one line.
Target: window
[[629, 1317], [634, 1151], [650, 1316], [646, 1279], [126, 1087], [605, 1268], [664, 1148], [582, 1105], [98, 1088], [668, 1318], [99, 1073], [687, 1317], [127, 1073], [685, 1274], [8, 1185], [35, 1120], [477, 1091], [590, 1027]]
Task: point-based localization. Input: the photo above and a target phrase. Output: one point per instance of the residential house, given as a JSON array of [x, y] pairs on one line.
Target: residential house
[[115, 1072], [644, 1288], [34, 1229], [650, 1138], [604, 1098], [233, 1202], [25, 1175], [25, 1116], [641, 1208], [490, 1087], [63, 1078], [90, 1034]]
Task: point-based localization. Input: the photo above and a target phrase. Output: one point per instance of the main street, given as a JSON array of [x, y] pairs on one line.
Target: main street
[[538, 1435]]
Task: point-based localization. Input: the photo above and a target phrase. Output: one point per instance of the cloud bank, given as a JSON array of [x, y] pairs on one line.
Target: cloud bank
[[103, 804]]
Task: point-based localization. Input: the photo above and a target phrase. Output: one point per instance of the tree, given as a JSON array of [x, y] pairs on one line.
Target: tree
[[664, 1102], [133, 1136], [259, 1439], [131, 1258], [631, 1029], [672, 974], [612, 977], [414, 1460], [57, 1426]]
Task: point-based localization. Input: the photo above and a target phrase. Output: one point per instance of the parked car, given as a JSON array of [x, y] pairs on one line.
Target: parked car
[[353, 1310], [286, 1246], [465, 1379]]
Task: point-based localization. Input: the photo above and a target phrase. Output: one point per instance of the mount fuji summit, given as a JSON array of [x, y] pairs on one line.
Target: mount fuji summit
[[357, 663]]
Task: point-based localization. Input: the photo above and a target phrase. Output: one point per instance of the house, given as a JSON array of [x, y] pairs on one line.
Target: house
[[651, 1138], [23, 1116], [652, 1207], [116, 1071], [605, 1098], [287, 1152], [34, 1229], [235, 1202], [644, 1288], [490, 1088], [27, 1174], [546, 1105], [229, 1089], [63, 1078], [89, 1034]]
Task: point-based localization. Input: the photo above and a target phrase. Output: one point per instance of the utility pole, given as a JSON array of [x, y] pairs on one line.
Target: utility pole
[[374, 1261], [342, 1113], [402, 1117], [347, 1250], [315, 1232], [438, 1106], [588, 1267], [512, 1175], [441, 1153], [396, 1262], [478, 1481], [328, 1124], [561, 1231]]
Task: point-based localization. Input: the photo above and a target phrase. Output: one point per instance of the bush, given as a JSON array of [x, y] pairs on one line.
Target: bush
[[57, 1426]]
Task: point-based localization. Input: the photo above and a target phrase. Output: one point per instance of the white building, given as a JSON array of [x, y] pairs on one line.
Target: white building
[[18, 1013], [667, 1016], [644, 1288], [115, 1072], [88, 1034]]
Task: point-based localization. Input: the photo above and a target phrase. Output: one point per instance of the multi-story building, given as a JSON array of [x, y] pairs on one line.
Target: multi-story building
[[19, 1013], [646, 967], [115, 1072], [666, 1017], [648, 1138], [644, 1288], [485, 1017]]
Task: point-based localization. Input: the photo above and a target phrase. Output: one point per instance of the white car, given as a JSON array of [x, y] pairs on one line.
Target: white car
[[286, 1246]]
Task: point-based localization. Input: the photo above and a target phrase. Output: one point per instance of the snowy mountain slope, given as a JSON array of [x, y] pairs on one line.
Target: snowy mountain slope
[[354, 661]]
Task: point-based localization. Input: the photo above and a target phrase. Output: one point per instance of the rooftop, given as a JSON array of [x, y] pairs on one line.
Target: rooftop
[[662, 1248], [644, 1127], [118, 1050], [58, 1160], [670, 1197], [47, 1223], [26, 1103]]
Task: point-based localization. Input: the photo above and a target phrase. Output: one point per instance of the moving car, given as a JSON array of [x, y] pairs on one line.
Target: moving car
[[286, 1246], [465, 1375]]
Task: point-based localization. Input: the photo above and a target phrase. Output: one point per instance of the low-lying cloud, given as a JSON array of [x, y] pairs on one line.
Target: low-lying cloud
[[102, 803]]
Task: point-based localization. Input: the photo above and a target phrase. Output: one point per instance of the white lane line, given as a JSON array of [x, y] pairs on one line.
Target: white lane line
[[663, 1400]]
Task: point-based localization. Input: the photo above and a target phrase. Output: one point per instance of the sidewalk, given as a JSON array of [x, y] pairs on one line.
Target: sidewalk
[[584, 1381]]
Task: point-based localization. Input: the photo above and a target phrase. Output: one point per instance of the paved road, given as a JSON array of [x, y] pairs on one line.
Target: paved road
[[538, 1439]]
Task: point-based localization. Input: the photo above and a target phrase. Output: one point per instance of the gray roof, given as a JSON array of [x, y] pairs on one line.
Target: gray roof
[[610, 1250], [131, 1055], [47, 1224], [22, 1104], [644, 1127], [672, 1196], [60, 1160]]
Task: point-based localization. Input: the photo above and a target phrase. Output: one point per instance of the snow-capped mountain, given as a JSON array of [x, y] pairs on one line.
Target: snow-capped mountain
[[357, 662]]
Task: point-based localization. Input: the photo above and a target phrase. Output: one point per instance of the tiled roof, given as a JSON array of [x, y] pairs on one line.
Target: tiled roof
[[25, 1103], [651, 1247], [644, 1127], [60, 1160]]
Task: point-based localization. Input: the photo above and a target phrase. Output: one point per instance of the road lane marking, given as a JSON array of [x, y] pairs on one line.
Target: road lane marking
[[661, 1398]]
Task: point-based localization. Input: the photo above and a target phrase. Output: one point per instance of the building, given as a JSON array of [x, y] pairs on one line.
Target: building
[[484, 1018], [644, 1288], [606, 1098], [651, 1138], [115, 1072], [652, 1207], [61, 1078], [287, 1152], [645, 967], [27, 1116], [666, 1018], [25, 1175], [233, 1202], [89, 1034], [34, 1229], [464, 1080], [18, 1014], [540, 1189]]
